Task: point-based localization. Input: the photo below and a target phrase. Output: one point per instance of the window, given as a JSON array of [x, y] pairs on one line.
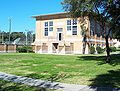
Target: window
[[92, 28], [68, 22], [48, 28], [72, 26], [51, 23], [110, 35], [74, 22], [46, 31], [68, 28], [74, 32], [98, 30]]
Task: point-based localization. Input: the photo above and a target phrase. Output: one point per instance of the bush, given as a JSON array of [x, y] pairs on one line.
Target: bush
[[99, 49], [92, 50], [113, 49], [24, 49]]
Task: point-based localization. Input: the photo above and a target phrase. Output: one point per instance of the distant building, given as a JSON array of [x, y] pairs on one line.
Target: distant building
[[57, 33]]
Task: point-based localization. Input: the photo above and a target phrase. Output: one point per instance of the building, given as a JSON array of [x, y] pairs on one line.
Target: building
[[57, 33]]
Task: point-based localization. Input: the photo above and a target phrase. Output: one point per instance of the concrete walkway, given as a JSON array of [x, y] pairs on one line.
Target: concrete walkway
[[52, 85]]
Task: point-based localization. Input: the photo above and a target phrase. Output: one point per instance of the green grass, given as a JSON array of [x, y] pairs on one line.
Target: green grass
[[76, 69], [10, 86]]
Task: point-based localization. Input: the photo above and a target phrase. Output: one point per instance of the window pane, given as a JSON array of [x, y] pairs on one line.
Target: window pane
[[46, 31], [110, 35], [51, 29], [98, 30], [51, 23], [68, 28], [68, 22], [46, 24], [59, 29], [74, 32], [74, 22], [92, 28]]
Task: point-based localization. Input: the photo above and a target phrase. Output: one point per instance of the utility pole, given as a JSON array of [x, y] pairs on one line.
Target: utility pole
[[2, 37], [9, 27], [26, 35]]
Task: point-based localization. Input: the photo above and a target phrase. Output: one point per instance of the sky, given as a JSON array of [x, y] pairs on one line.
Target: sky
[[21, 10]]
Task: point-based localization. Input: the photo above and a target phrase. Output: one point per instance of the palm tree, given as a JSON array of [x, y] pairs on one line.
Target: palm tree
[[84, 34]]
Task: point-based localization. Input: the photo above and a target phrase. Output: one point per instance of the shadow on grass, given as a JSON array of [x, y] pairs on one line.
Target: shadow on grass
[[110, 79], [10, 86], [115, 59], [51, 77]]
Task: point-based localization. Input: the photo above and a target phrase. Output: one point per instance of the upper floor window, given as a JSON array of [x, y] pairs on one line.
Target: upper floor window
[[48, 27], [110, 35], [72, 26], [92, 28], [98, 30]]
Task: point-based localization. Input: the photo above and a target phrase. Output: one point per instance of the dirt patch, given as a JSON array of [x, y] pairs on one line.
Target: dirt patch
[[61, 65]]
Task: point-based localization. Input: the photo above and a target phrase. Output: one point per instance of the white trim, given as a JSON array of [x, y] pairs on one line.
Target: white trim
[[91, 40]]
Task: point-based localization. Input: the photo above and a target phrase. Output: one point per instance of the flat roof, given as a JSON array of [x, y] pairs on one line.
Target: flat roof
[[54, 14]]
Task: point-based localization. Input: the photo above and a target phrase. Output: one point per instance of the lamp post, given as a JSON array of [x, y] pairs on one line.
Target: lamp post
[[9, 27], [26, 35]]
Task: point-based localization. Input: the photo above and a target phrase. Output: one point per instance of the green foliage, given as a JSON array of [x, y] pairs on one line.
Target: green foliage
[[92, 50], [113, 49], [24, 49], [99, 50]]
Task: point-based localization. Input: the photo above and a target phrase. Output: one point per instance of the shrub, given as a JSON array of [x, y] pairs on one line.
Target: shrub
[[92, 50], [113, 49], [99, 49], [24, 49]]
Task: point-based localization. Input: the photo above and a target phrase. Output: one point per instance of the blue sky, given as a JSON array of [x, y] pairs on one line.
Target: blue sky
[[21, 10]]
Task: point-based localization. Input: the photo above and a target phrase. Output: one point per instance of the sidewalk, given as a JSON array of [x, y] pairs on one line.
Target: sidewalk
[[52, 85]]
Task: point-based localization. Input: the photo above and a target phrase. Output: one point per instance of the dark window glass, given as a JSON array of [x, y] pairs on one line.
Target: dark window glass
[[74, 32], [98, 30], [51, 23], [46, 31], [46, 24], [74, 22], [68, 22], [51, 29], [92, 28], [68, 28]]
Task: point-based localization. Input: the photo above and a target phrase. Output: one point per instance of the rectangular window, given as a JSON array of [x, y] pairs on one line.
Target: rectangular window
[[68, 22], [92, 28], [98, 30], [110, 35], [68, 28], [74, 22], [46, 24], [46, 31], [48, 28], [51, 29], [72, 26], [74, 32], [51, 23]]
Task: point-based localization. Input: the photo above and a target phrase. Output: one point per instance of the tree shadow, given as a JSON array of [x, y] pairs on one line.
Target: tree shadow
[[110, 79], [115, 59], [10, 86], [51, 77]]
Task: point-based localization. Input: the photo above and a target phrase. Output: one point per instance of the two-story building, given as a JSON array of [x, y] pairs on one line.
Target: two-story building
[[57, 33]]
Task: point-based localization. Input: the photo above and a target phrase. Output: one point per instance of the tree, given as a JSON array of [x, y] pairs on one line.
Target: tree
[[94, 9], [84, 33]]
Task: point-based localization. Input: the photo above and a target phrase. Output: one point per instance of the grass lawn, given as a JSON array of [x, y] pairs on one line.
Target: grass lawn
[[10, 86], [76, 69]]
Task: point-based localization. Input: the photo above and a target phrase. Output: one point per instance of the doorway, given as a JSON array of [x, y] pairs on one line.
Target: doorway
[[55, 48]]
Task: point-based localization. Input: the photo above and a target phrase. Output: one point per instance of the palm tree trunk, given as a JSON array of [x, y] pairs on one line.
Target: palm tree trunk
[[84, 44]]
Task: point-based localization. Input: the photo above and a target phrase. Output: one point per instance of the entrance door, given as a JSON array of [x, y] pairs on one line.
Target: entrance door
[[55, 47], [59, 34]]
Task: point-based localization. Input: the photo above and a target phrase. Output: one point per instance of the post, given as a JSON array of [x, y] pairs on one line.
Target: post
[[26, 35], [9, 27]]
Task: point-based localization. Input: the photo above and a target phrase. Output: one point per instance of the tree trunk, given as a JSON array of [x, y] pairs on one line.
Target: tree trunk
[[108, 50], [84, 44]]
